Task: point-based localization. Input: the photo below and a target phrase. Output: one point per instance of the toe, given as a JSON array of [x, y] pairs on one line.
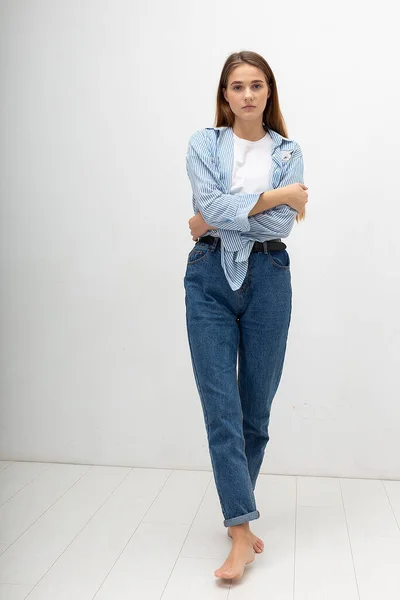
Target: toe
[[227, 574], [221, 574]]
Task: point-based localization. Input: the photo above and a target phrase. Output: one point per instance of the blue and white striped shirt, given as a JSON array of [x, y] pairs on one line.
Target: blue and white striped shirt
[[209, 164]]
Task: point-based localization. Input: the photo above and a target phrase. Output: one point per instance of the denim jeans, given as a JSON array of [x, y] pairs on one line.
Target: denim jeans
[[237, 341]]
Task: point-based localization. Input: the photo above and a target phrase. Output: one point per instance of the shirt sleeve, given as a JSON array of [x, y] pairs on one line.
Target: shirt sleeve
[[224, 211], [279, 220]]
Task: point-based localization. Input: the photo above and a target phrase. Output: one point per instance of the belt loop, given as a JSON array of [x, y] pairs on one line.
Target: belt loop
[[265, 250], [215, 243]]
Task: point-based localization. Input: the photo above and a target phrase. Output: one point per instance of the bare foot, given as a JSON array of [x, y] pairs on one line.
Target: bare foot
[[258, 544], [241, 554]]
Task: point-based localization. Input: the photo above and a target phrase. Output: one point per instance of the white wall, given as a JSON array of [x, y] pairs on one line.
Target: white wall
[[98, 100]]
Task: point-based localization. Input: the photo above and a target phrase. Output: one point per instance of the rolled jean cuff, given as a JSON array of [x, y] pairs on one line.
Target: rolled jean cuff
[[242, 518]]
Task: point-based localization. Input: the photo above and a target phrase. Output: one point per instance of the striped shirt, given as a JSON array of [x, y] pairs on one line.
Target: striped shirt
[[209, 164]]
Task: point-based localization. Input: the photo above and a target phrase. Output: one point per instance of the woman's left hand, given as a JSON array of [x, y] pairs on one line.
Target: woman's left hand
[[198, 226]]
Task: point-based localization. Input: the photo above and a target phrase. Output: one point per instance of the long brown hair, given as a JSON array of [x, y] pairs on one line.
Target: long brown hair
[[272, 116]]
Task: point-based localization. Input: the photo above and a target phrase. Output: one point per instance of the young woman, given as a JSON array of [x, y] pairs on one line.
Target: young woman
[[248, 189]]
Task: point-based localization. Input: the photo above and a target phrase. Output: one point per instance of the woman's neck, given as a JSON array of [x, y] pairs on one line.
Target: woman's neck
[[249, 131]]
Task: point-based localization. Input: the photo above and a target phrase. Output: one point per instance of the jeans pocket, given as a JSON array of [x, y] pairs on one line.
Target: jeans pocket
[[198, 253], [279, 259]]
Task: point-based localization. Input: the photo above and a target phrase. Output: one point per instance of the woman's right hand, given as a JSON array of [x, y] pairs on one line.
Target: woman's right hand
[[296, 196]]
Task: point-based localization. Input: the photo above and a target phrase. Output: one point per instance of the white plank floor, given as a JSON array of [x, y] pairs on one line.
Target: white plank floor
[[80, 532]]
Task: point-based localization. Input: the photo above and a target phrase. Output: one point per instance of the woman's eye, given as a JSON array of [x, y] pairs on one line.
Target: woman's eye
[[238, 86]]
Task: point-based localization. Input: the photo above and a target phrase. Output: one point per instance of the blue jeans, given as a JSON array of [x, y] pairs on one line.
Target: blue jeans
[[237, 342]]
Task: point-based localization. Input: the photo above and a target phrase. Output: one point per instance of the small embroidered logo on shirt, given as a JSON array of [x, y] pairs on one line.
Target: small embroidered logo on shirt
[[286, 155]]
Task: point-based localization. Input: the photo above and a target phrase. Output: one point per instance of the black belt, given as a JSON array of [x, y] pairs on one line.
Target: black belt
[[257, 246]]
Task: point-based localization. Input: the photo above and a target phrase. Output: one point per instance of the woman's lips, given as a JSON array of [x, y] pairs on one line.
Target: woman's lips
[[248, 107]]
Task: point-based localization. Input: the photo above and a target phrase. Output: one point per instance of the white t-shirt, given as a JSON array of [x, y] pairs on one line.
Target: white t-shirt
[[252, 165]]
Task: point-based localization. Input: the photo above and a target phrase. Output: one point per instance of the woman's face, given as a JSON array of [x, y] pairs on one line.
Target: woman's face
[[247, 85]]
